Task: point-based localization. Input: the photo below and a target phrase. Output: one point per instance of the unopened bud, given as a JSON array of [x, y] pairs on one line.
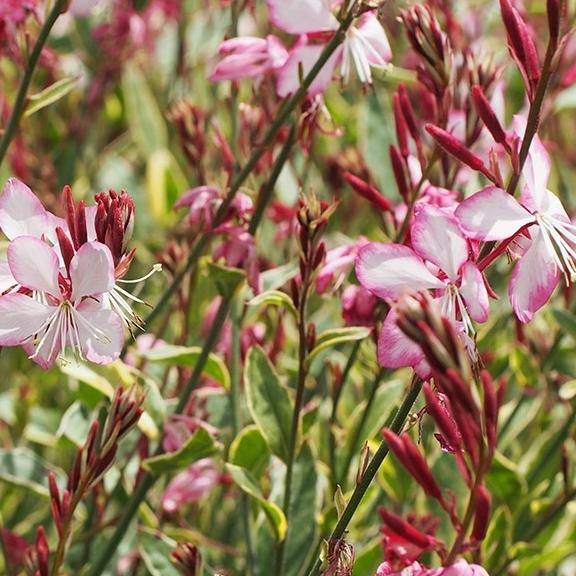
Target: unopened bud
[[553, 9], [482, 513], [401, 127], [405, 530], [488, 116], [367, 192], [399, 173]]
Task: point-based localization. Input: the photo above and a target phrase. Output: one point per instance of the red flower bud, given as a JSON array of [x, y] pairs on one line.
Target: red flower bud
[[399, 174], [488, 116], [482, 513], [406, 531], [367, 192], [401, 128]]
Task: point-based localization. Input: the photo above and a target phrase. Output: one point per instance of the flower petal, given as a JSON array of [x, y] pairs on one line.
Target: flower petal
[[302, 16], [396, 350], [533, 279], [21, 213], [34, 264], [288, 79], [389, 269], [374, 39], [7, 280], [91, 270], [100, 330], [437, 237], [491, 214], [20, 318], [474, 292]]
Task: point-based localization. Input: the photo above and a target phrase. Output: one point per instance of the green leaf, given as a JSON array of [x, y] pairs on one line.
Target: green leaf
[[215, 368], [146, 122], [274, 298], [199, 445], [301, 534], [268, 402], [49, 95], [369, 558], [330, 338], [503, 479], [246, 482], [81, 372], [155, 551], [250, 450], [498, 537], [75, 424], [277, 277], [22, 467], [566, 320], [227, 280]]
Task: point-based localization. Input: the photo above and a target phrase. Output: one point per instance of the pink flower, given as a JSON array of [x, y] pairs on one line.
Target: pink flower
[[59, 307], [339, 262], [460, 568], [358, 306], [248, 57], [492, 214], [365, 45], [438, 260], [194, 483]]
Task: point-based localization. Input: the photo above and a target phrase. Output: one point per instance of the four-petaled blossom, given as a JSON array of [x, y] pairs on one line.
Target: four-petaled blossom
[[492, 214], [364, 47], [58, 308], [438, 260]]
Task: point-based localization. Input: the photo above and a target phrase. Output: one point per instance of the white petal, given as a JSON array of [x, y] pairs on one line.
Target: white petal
[[20, 318], [302, 16], [91, 270], [374, 38], [395, 349], [389, 269], [533, 279], [34, 264], [21, 213], [491, 214], [101, 332], [7, 280], [437, 237], [474, 292]]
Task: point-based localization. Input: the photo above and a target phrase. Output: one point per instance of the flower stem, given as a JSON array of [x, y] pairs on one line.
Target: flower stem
[[20, 102], [372, 468]]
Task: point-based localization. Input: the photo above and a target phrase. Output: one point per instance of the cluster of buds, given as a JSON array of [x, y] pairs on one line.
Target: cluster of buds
[[189, 121], [92, 460], [36, 561], [188, 559], [467, 427]]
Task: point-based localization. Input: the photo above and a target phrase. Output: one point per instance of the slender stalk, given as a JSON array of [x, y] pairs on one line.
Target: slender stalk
[[281, 118], [372, 468], [20, 102], [235, 380], [360, 427]]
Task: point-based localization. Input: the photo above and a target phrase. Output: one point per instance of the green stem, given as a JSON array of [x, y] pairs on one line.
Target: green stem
[[371, 470], [281, 117], [20, 102]]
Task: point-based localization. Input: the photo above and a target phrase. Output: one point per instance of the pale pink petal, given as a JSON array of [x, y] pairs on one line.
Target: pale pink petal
[[389, 269], [491, 214], [533, 279], [91, 270], [302, 16], [100, 330], [374, 38], [306, 55], [552, 206], [474, 292], [188, 198], [437, 237], [7, 280], [34, 264], [536, 170], [20, 318], [243, 44], [395, 349], [21, 213]]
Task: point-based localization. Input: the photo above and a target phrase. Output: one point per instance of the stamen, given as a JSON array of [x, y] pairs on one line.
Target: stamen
[[156, 268]]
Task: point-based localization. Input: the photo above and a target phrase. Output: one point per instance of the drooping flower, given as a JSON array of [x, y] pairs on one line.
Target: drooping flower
[[439, 260], [492, 214], [364, 47], [60, 307]]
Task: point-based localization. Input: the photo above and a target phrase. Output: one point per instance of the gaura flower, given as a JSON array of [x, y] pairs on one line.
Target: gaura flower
[[60, 307], [438, 260], [492, 214], [460, 568], [365, 45]]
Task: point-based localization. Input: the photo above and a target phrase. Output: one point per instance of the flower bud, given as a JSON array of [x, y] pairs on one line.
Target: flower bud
[[486, 113], [367, 192], [482, 513]]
